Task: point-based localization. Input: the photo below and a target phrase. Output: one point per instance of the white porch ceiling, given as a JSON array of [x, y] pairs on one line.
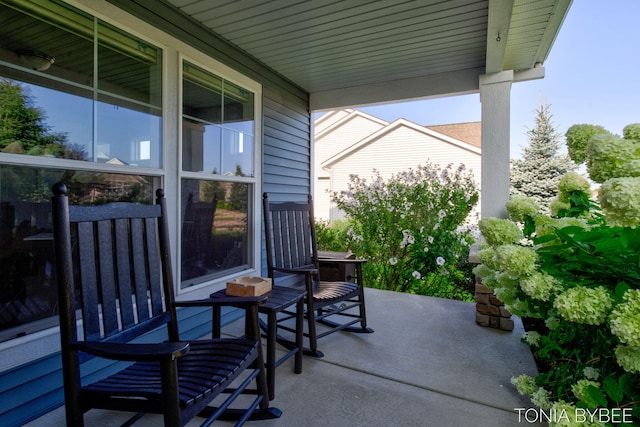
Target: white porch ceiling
[[353, 52]]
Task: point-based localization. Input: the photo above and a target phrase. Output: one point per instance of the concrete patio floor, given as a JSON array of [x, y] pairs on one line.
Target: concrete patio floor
[[427, 364]]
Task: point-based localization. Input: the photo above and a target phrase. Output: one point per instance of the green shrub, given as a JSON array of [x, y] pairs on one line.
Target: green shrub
[[411, 228], [332, 236]]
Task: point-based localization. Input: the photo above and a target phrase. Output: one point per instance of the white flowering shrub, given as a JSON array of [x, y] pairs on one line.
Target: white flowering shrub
[[577, 137], [414, 229], [582, 288], [581, 276], [620, 200]]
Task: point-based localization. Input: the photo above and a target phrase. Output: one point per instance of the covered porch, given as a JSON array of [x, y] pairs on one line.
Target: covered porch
[[427, 364]]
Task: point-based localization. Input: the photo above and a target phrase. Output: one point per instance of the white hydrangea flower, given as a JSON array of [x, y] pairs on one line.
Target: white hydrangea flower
[[625, 318], [584, 305]]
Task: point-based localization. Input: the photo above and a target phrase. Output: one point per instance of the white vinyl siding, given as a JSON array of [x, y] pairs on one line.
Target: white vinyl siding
[[342, 135], [400, 150]]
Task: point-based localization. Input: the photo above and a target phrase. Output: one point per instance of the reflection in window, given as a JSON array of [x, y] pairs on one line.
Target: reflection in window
[[217, 124], [23, 129], [214, 229], [27, 283], [96, 97], [60, 109], [120, 131]]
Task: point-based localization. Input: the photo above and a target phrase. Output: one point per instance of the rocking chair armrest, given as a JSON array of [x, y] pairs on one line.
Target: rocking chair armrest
[[241, 302], [300, 270], [135, 352], [343, 260]]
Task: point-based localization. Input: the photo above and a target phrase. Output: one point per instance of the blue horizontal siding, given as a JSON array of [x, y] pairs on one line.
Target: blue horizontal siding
[[33, 389]]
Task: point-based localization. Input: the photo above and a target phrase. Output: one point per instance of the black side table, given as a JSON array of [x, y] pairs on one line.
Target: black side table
[[279, 299]]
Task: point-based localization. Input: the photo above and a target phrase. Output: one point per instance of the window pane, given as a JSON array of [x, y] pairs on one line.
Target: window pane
[[128, 136], [32, 32], [239, 128], [117, 119], [238, 105], [202, 100], [27, 283], [214, 229], [201, 147], [237, 155], [129, 67], [217, 126]]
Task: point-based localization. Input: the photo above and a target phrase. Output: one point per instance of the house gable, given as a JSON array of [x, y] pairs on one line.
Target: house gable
[[350, 127], [396, 128], [328, 119]]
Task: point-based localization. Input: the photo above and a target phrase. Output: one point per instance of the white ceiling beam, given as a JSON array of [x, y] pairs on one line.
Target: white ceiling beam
[[432, 86], [497, 33]]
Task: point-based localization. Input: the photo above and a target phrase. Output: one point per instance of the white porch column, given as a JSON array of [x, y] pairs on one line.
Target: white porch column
[[495, 95]]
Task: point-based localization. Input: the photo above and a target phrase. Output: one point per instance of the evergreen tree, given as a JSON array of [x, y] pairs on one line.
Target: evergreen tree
[[210, 190], [238, 193], [536, 175]]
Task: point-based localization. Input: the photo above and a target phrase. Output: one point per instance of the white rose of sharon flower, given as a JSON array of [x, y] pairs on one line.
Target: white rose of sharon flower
[[416, 275], [440, 260], [393, 261]]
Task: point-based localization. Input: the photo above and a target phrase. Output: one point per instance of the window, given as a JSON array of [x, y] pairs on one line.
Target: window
[[218, 164], [72, 89], [83, 100]]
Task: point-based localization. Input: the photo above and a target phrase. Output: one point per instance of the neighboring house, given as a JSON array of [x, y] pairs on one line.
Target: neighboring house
[[349, 142]]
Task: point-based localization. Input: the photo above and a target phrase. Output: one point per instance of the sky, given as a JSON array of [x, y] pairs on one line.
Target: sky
[[592, 75]]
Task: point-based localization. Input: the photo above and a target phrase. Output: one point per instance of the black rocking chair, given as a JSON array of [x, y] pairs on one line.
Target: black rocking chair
[[292, 250], [114, 269]]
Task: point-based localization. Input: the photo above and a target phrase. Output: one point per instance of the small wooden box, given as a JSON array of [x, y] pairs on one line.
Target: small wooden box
[[249, 286]]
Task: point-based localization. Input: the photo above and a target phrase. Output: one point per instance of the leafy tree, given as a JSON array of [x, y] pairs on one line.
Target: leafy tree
[[23, 131], [537, 174], [22, 127]]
